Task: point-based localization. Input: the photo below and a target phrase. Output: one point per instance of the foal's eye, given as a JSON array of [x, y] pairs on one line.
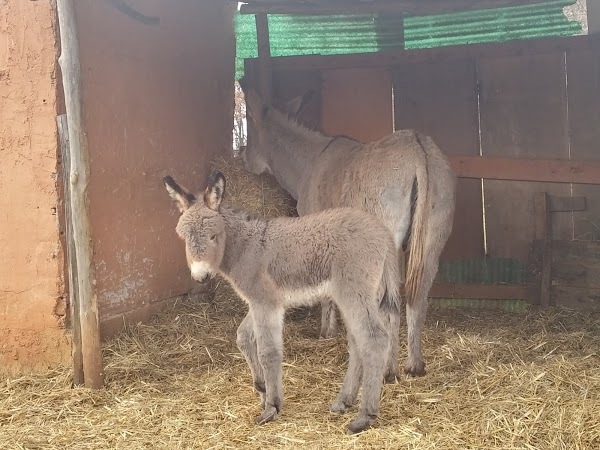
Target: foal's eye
[[213, 237]]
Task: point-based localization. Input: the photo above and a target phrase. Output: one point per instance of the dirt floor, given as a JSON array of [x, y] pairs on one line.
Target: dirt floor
[[495, 380]]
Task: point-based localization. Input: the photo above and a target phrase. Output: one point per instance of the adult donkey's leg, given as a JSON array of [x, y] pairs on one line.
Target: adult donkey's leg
[[392, 321], [439, 229], [268, 329], [328, 319], [246, 342]]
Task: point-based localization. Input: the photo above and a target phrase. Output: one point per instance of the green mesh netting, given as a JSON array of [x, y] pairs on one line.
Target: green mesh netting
[[304, 35]]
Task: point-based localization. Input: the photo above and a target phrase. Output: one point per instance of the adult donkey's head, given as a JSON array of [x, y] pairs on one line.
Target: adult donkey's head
[[266, 126], [201, 225]]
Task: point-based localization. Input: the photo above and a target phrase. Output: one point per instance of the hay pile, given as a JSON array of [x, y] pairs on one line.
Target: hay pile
[[495, 380], [258, 194]]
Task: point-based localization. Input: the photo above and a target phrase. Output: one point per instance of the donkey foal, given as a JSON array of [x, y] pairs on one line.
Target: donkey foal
[[286, 262]]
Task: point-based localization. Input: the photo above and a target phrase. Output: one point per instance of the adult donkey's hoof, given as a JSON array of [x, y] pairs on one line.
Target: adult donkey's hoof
[[415, 369], [361, 424], [269, 414]]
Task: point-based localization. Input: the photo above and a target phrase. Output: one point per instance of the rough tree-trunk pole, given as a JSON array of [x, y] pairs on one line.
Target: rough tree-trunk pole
[[79, 172]]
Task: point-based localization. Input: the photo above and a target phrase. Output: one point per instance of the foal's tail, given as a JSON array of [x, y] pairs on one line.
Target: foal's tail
[[392, 297], [418, 233]]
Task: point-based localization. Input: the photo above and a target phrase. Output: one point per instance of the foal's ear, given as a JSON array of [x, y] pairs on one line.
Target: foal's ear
[[294, 106], [213, 195], [183, 198]]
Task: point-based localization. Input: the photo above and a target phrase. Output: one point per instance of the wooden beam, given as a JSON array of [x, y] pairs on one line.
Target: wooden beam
[[547, 170], [567, 204], [265, 77], [481, 291], [415, 7], [75, 319], [79, 172], [593, 15], [451, 53], [543, 232]]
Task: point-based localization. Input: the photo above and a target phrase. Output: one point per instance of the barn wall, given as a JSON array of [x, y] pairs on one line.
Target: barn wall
[[158, 99], [31, 286]]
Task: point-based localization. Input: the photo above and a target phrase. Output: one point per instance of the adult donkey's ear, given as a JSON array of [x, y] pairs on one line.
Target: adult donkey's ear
[[255, 107], [295, 106], [182, 197], [213, 195]]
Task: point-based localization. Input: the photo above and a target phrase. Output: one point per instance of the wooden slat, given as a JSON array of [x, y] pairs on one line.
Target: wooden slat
[[567, 204], [526, 169], [481, 291], [265, 82], [576, 264], [423, 100], [576, 297], [584, 129], [450, 53], [417, 7], [543, 232], [523, 111]]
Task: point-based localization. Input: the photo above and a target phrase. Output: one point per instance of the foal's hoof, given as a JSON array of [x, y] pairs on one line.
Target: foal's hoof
[[391, 376], [361, 424], [338, 407], [269, 414], [415, 369]]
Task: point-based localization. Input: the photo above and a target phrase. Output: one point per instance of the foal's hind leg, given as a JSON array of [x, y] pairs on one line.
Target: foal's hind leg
[[349, 391], [268, 329], [246, 342], [372, 342], [328, 319]]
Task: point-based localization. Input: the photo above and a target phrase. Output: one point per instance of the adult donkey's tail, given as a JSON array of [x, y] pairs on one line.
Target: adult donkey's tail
[[392, 299], [418, 233]]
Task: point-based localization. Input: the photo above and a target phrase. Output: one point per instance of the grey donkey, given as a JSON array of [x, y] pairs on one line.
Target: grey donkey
[[286, 262], [404, 180]]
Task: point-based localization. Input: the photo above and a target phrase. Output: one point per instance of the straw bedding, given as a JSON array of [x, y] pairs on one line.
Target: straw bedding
[[496, 380]]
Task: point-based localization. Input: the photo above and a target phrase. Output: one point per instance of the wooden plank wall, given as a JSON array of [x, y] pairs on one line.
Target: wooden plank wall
[[440, 100], [357, 103], [523, 111], [584, 129]]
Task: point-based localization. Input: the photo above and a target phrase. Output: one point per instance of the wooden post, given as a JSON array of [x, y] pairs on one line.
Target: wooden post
[[63, 135], [79, 172], [593, 16], [543, 232], [265, 76]]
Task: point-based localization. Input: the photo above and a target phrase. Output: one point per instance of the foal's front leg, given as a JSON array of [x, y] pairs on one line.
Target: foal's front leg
[[268, 330], [246, 342]]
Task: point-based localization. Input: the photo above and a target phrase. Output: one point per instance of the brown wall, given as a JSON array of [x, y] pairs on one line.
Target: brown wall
[[158, 99], [31, 258]]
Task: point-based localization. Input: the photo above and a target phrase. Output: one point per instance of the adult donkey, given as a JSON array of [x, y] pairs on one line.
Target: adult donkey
[[403, 179]]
